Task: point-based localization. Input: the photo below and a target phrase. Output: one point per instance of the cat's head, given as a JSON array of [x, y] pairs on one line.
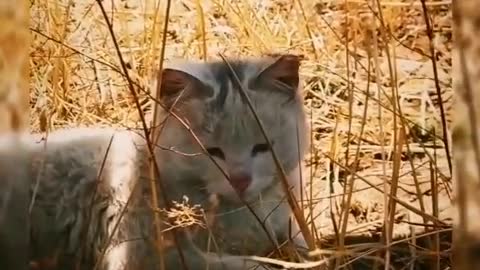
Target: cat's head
[[208, 98]]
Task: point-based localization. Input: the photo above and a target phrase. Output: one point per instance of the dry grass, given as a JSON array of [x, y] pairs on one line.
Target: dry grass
[[14, 44], [379, 105]]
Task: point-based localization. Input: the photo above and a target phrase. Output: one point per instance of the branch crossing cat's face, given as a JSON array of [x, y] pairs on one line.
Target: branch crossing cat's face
[[208, 98]]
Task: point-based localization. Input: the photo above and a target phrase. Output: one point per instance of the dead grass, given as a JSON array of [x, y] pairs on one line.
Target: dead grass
[[378, 166], [14, 45]]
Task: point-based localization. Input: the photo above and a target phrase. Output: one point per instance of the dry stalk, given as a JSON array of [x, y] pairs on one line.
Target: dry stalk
[[466, 135], [298, 213]]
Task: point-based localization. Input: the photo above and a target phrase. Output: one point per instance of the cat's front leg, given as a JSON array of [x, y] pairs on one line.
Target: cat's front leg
[[296, 179], [231, 262], [298, 240], [196, 259]]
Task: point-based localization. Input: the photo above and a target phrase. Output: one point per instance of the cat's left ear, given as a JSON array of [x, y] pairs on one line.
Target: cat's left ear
[[284, 70]]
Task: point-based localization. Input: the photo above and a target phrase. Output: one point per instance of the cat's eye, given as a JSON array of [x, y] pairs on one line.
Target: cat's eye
[[216, 152], [260, 148]]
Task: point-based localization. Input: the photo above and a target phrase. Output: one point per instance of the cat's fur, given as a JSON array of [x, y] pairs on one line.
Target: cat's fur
[[14, 222], [212, 103], [62, 182], [205, 96]]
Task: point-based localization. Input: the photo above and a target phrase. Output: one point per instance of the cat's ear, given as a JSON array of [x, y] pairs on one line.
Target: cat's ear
[[174, 81], [284, 70], [177, 84]]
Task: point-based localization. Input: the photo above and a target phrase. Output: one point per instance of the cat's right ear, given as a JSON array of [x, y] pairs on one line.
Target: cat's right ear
[[281, 73], [173, 81], [176, 84]]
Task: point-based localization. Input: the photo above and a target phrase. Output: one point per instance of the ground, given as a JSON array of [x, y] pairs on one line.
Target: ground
[[379, 105]]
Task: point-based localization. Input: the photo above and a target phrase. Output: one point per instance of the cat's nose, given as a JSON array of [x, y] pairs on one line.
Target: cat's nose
[[240, 181]]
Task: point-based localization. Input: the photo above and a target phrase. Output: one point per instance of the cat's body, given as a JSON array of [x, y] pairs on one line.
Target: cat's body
[[14, 224], [207, 98], [62, 182]]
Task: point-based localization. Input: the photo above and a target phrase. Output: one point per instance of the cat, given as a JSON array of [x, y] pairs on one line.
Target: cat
[[78, 196], [68, 193], [14, 222], [208, 97]]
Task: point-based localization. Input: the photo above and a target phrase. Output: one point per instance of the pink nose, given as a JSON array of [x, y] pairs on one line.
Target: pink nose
[[240, 182]]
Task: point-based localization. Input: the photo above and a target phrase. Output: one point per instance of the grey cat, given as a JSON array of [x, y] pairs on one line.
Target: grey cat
[[78, 196], [208, 97], [14, 221]]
